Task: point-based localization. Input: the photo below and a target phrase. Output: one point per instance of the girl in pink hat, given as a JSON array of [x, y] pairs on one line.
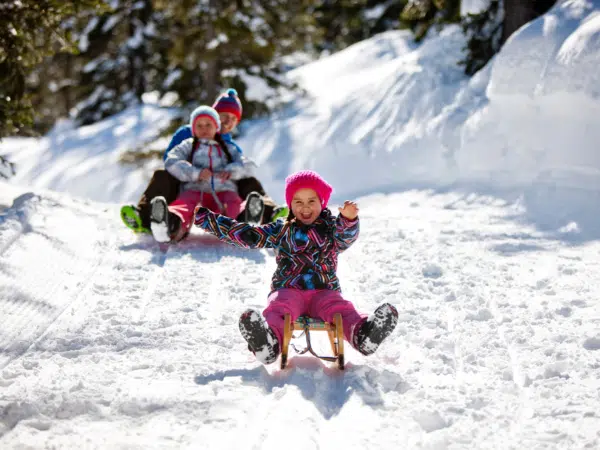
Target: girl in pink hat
[[305, 281]]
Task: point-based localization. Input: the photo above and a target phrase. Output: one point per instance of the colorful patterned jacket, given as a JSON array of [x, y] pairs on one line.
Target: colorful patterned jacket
[[306, 254]]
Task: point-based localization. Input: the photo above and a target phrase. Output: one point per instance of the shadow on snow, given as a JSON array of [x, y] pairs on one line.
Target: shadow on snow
[[200, 246], [327, 387]]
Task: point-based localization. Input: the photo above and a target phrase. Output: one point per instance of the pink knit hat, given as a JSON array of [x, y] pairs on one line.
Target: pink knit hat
[[307, 179]]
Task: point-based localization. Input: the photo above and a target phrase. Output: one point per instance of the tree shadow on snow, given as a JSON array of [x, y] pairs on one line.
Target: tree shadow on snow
[[327, 387]]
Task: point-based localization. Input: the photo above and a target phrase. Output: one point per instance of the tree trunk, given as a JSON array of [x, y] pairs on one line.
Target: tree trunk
[[138, 56], [210, 75], [518, 12], [68, 90]]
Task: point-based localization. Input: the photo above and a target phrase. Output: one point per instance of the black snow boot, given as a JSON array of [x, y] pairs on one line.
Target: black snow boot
[[261, 339], [254, 208], [372, 331], [164, 224]]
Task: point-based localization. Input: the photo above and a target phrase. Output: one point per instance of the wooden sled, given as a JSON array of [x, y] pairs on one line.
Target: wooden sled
[[307, 324]]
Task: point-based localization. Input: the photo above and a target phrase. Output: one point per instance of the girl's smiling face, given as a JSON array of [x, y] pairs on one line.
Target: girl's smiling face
[[204, 128], [306, 205], [228, 122]]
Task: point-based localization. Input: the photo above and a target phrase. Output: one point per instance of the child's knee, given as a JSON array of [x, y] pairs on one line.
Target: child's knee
[[232, 211]]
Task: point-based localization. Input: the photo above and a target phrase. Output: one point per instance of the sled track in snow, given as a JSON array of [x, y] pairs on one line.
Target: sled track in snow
[[55, 282], [27, 310]]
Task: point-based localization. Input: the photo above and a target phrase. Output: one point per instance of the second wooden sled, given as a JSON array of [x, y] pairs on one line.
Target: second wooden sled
[[306, 324]]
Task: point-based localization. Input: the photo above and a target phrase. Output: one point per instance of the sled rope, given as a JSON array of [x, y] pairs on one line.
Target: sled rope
[[306, 331]]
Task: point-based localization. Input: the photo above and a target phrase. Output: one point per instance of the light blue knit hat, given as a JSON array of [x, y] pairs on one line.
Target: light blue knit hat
[[205, 111]]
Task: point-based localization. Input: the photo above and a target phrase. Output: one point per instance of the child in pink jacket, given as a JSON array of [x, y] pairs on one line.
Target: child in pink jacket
[[305, 281]]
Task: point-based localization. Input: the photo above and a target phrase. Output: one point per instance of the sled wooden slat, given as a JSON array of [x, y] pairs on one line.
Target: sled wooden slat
[[335, 332]]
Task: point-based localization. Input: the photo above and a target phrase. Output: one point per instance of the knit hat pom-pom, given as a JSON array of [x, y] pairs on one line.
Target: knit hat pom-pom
[[229, 102]]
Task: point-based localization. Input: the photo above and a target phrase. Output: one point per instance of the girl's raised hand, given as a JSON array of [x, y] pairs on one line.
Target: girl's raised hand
[[349, 210]]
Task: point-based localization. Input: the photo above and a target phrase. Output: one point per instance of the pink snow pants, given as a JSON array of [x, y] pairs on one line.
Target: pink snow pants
[[319, 304], [185, 204]]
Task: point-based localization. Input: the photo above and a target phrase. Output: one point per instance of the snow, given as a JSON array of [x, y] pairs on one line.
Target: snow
[[258, 89], [479, 222], [85, 161], [473, 6], [375, 12], [112, 21], [220, 39], [137, 40], [113, 343]]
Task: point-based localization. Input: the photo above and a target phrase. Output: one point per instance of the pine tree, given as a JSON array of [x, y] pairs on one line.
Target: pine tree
[[484, 33], [488, 30], [342, 23], [123, 59], [31, 30], [214, 47], [420, 15]]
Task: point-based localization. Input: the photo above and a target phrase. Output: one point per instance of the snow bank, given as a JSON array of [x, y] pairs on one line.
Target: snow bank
[[85, 161], [543, 99], [366, 124], [386, 114], [541, 114]]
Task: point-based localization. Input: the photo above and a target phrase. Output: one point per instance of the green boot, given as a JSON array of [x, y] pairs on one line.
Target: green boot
[[281, 212], [132, 220]]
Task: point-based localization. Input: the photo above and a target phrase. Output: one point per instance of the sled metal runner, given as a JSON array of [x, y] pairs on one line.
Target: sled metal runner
[[306, 324]]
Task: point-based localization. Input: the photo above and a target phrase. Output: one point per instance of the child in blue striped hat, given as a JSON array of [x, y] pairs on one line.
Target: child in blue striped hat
[[207, 169], [229, 109]]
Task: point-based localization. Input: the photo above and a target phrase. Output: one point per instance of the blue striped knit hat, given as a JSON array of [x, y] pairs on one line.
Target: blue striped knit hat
[[229, 102], [205, 111]]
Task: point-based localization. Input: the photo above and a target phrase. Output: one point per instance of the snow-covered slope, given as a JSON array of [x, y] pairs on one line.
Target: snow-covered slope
[[85, 161], [366, 123], [386, 114], [108, 340], [112, 342], [543, 101]]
